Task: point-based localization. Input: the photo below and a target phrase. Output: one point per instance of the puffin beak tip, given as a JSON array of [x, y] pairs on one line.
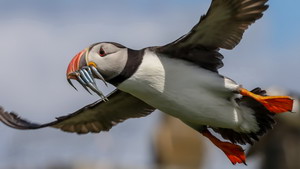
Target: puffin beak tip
[[74, 65]]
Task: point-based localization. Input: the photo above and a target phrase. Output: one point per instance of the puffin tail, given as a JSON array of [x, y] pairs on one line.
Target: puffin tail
[[263, 116]]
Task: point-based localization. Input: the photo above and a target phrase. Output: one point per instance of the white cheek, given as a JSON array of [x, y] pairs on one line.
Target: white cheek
[[99, 61], [110, 65], [93, 57]]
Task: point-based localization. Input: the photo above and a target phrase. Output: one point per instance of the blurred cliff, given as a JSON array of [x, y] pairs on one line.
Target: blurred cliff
[[177, 146]]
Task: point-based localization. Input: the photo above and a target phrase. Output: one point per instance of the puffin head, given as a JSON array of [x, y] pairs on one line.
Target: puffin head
[[104, 61]]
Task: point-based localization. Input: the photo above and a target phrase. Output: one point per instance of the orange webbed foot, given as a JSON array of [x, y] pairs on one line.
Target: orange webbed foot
[[275, 104], [234, 152]]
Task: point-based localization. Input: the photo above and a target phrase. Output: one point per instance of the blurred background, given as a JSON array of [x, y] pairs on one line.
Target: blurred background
[[38, 38]]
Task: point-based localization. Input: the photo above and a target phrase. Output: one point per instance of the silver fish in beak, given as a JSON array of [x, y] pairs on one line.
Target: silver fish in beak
[[84, 74]]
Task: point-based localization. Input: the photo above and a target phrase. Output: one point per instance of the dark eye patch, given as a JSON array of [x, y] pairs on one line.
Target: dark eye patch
[[102, 53]]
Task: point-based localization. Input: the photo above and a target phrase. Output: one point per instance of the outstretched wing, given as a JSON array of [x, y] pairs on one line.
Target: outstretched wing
[[224, 24], [96, 117], [222, 27]]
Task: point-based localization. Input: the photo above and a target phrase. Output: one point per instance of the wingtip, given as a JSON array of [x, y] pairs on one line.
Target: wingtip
[[13, 120]]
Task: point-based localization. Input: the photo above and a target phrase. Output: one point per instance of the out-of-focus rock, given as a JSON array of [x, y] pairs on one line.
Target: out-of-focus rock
[[177, 146]]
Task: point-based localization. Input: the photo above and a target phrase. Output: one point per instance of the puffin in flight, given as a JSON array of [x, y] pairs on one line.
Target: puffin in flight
[[180, 78]]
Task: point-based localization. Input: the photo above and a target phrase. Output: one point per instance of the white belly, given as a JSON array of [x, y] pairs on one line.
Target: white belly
[[183, 90]]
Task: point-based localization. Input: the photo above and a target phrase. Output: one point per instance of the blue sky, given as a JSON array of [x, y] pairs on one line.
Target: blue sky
[[284, 20], [39, 38]]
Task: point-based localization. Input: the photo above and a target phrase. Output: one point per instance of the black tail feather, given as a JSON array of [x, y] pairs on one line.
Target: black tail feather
[[263, 117]]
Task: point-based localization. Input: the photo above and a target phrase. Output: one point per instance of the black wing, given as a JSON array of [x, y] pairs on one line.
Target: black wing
[[96, 117], [222, 27]]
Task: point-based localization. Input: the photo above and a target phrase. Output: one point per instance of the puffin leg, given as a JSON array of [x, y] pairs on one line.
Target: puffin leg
[[275, 104], [234, 152]]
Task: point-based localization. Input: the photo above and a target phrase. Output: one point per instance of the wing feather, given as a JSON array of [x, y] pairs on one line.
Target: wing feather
[[222, 27], [225, 23], [96, 117]]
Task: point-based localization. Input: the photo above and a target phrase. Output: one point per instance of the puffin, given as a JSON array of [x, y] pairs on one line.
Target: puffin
[[180, 78]]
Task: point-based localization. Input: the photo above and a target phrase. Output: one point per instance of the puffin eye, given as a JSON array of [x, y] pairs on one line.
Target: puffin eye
[[102, 53]]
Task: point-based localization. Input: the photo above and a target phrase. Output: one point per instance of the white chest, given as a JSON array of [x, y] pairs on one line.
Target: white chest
[[177, 88]]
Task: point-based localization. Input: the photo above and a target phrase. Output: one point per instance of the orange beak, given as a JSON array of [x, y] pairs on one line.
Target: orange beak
[[84, 74], [75, 64]]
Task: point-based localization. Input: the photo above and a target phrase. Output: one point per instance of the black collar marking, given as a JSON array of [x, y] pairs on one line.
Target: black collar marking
[[134, 60]]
